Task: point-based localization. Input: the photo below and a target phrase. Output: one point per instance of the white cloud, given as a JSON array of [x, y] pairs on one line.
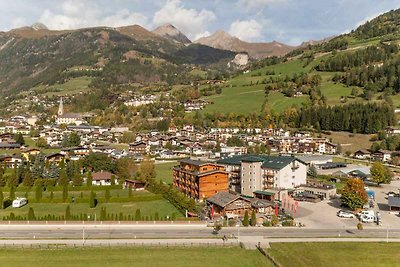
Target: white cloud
[[256, 4], [203, 34], [18, 22], [248, 30], [78, 14], [191, 22]]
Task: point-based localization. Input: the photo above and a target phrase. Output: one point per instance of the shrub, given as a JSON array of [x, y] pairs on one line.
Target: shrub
[[92, 200], [274, 220], [246, 219], [360, 226]]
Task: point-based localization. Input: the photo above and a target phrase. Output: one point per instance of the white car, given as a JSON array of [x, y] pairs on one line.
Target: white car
[[366, 212], [345, 214], [367, 218]]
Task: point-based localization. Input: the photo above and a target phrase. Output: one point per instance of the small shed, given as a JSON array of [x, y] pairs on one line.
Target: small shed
[[134, 184]]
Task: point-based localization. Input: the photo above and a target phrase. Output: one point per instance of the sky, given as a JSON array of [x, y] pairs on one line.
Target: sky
[[286, 21]]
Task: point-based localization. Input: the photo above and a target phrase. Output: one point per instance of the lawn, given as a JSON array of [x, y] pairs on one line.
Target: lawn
[[164, 171], [137, 256], [147, 208], [336, 254]]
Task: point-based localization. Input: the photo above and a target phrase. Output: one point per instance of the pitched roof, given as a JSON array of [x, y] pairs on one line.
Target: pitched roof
[[193, 162], [102, 176], [223, 198]]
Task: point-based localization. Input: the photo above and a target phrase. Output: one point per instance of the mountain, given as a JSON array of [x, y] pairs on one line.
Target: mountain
[[33, 56], [223, 40], [170, 32]]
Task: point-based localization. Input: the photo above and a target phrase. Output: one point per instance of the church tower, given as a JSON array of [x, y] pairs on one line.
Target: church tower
[[61, 108]]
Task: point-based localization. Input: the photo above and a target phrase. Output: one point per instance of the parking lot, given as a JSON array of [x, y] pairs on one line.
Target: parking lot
[[323, 214]]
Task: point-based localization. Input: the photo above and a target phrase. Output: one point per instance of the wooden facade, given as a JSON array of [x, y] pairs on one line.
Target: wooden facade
[[200, 180]]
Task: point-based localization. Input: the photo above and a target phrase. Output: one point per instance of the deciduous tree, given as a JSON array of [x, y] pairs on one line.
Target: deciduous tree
[[353, 194]]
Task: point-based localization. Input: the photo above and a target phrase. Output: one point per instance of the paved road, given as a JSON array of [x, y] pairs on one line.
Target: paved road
[[177, 231]]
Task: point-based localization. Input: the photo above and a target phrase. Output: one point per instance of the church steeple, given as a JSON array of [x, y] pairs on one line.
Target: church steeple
[[61, 108]]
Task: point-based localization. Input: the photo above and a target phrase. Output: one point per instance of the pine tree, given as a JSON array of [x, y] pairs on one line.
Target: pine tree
[[19, 139], [28, 179], [89, 179], [112, 179], [107, 195], [77, 180], [246, 219], [253, 219], [1, 199], [38, 192], [2, 179], [12, 192], [63, 180], [65, 193], [31, 214], [92, 200], [138, 215], [67, 213]]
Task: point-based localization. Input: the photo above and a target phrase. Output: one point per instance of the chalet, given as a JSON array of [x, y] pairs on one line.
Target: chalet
[[362, 154], [225, 204], [134, 184], [103, 178], [55, 157], [383, 155], [198, 179], [138, 148], [27, 153], [10, 161]]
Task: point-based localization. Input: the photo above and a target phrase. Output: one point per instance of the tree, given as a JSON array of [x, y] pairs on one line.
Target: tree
[[12, 192], [77, 180], [107, 195], [41, 142], [253, 219], [19, 139], [89, 179], [312, 171], [67, 213], [1, 198], [74, 139], [92, 200], [246, 219], [38, 192], [63, 180], [28, 179], [99, 162], [138, 215], [65, 193], [31, 214], [147, 170], [380, 174], [2, 179], [353, 194]]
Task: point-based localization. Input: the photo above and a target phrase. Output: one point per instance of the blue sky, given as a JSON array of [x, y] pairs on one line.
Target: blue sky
[[287, 21]]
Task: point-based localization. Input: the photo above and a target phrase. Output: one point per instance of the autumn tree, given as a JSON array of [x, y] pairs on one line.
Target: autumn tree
[[380, 174], [147, 170], [353, 194]]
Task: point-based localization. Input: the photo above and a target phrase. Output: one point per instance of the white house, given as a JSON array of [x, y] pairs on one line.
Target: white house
[[103, 178]]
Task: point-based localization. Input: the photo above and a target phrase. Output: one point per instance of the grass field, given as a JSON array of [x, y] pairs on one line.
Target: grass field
[[336, 254], [350, 142], [136, 256], [71, 87], [147, 208], [164, 171]]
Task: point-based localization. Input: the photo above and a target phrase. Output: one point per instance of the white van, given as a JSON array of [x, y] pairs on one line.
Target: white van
[[366, 212], [367, 218], [19, 202]]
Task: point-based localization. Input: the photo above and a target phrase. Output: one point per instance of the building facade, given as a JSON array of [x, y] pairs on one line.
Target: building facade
[[258, 173], [200, 180]]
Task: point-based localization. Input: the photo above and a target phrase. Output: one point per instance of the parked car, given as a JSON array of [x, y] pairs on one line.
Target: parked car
[[345, 214], [366, 212], [19, 202], [367, 218]]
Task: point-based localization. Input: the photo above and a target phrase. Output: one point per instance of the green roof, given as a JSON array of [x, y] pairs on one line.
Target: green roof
[[269, 162], [265, 193]]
